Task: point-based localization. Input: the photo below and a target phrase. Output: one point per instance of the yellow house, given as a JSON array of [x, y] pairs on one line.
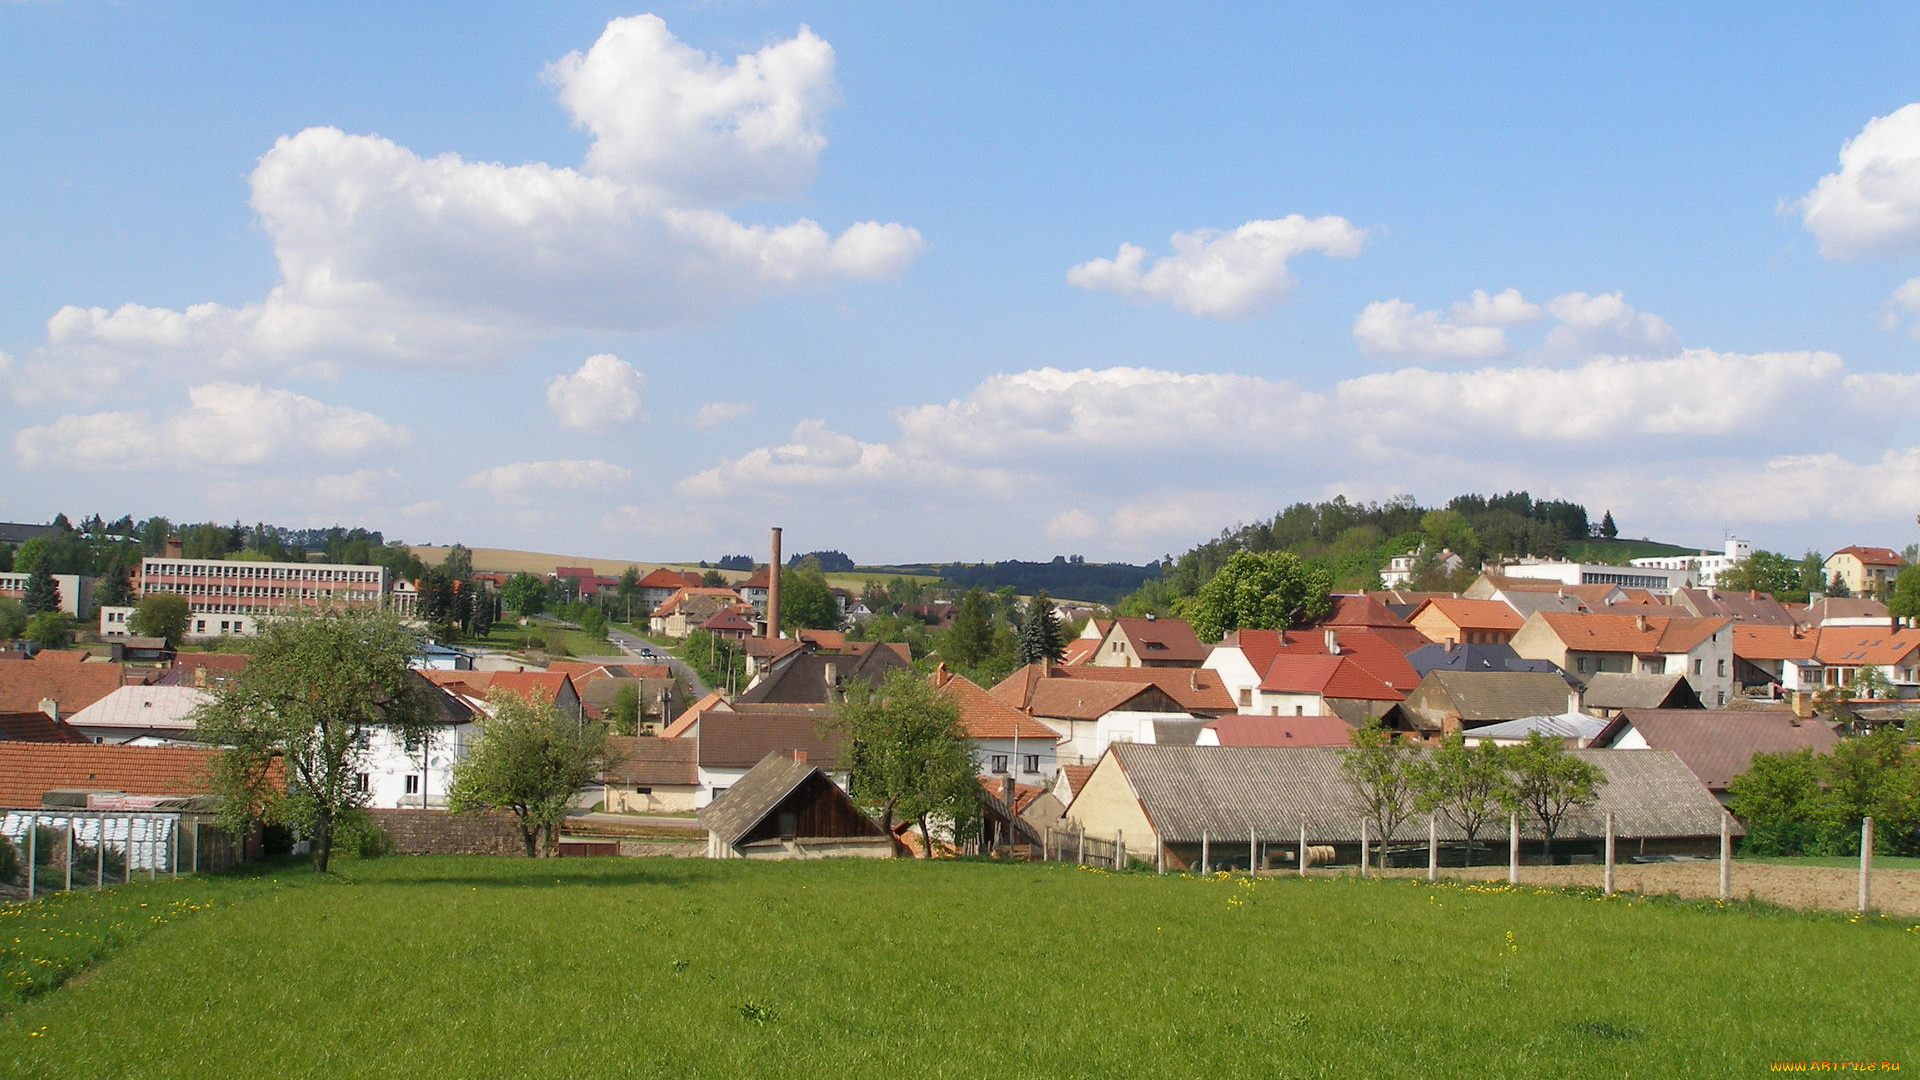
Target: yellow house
[[1867, 571]]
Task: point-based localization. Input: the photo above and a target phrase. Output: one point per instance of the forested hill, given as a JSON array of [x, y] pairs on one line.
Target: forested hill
[[1066, 576], [1353, 540]]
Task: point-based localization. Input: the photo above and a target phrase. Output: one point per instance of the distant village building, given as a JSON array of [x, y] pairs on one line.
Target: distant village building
[[1706, 569]]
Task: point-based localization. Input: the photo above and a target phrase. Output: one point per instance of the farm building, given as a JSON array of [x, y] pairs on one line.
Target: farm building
[[1608, 692], [784, 808], [1238, 799], [1716, 744]]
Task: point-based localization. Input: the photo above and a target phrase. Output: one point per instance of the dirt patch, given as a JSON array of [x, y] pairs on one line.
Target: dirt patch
[[1896, 892]]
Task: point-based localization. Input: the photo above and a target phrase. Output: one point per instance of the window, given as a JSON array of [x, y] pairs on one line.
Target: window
[[1246, 696], [413, 783], [362, 782], [1586, 663], [999, 763], [1723, 667], [1699, 665], [643, 791], [1030, 762]]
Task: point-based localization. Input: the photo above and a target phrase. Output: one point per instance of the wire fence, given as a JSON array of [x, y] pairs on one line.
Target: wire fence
[[69, 849]]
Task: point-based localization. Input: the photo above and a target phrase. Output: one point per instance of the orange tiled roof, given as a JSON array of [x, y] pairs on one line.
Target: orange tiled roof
[[527, 683], [691, 715], [1871, 556], [1077, 776], [1476, 614], [1193, 689], [1641, 635], [1378, 655], [29, 770], [1162, 639], [984, 716], [1328, 676], [71, 686], [1079, 650]]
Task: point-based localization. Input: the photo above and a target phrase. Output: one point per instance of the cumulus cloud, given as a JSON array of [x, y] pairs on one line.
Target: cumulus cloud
[[816, 457], [1072, 525], [715, 413], [1395, 328], [1872, 205], [389, 257], [605, 392], [358, 486], [224, 424], [1606, 324], [1902, 306], [671, 120], [1233, 274], [535, 479]]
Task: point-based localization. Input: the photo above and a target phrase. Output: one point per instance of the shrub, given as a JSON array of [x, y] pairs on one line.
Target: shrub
[[361, 837], [9, 860]]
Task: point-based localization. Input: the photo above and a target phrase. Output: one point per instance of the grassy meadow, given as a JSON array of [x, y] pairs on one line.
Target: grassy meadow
[[688, 968]]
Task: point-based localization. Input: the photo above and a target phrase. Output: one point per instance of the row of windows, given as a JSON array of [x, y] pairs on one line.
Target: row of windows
[[260, 571], [1030, 763], [273, 592]]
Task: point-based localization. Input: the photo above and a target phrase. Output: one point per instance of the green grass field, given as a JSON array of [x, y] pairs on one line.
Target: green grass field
[[1847, 862], [453, 967], [510, 635]]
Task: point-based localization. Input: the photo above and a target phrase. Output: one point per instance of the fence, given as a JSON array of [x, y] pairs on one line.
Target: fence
[[64, 849]]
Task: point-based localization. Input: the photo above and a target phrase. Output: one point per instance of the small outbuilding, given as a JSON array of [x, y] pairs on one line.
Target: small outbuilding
[[784, 808]]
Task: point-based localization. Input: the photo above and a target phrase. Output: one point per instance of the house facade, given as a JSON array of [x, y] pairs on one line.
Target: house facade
[[1583, 645]]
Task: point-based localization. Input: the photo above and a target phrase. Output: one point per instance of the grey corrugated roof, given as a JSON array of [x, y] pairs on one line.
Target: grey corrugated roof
[[1176, 732], [1560, 726], [1481, 697], [1227, 791], [1619, 690], [753, 796]]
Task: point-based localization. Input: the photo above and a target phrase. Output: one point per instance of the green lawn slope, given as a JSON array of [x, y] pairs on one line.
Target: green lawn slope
[[470, 967]]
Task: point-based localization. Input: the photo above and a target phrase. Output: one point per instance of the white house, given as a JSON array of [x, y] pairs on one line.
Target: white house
[[1706, 569]]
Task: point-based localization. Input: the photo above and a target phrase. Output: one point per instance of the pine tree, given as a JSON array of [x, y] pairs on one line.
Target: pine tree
[[1608, 530], [1040, 636], [42, 593], [969, 641]]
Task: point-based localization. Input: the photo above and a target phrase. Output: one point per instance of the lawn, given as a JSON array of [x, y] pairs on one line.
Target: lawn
[[510, 635], [688, 968], [1849, 862]]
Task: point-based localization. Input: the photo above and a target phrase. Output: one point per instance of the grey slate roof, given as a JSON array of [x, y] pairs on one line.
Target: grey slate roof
[[1618, 690], [1227, 791], [754, 796], [1478, 656]]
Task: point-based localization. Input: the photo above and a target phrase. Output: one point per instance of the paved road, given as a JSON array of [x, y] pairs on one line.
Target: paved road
[[632, 646]]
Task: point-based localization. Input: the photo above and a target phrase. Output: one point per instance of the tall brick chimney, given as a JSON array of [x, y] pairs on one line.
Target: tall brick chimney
[[773, 589]]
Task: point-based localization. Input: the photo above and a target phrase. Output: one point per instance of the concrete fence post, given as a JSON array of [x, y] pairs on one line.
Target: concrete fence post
[[1365, 843], [1726, 855], [1160, 856], [1513, 849], [1206, 853], [1303, 847], [33, 852], [1866, 863], [1253, 853], [1119, 850], [99, 851], [1606, 878], [1433, 848]]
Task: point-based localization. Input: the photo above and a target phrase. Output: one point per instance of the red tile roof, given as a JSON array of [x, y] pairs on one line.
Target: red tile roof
[[826, 640], [1079, 650], [1162, 640], [1196, 690], [71, 686], [548, 684], [1641, 635], [38, 727], [1475, 614], [29, 770], [662, 578], [984, 716], [1328, 676], [1282, 731], [1379, 656], [1871, 556]]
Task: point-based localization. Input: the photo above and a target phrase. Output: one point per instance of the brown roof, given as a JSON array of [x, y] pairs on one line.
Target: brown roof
[[739, 740], [1195, 690], [529, 683], [984, 716], [1744, 608], [1076, 777], [828, 640], [1871, 556], [29, 770], [38, 727], [1163, 640], [1719, 744], [71, 686], [652, 761]]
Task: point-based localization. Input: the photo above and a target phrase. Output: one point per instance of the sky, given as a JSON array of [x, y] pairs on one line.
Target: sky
[[941, 281]]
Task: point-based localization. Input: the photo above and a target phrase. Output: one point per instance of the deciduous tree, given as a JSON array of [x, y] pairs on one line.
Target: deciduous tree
[[50, 629], [161, 615], [318, 685], [909, 758], [530, 760], [1266, 590], [805, 600], [1462, 783], [525, 594], [1381, 770], [1547, 784]]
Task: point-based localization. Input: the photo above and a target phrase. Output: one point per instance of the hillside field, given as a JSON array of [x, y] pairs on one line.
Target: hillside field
[[539, 563], [688, 968]]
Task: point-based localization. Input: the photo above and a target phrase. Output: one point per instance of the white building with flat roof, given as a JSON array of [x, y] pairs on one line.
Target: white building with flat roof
[[1706, 568]]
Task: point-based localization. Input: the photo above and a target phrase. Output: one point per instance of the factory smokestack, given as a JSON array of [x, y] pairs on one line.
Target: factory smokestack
[[773, 588]]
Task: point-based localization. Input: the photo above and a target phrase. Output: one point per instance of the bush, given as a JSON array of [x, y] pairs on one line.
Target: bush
[[49, 845], [361, 837], [9, 860]]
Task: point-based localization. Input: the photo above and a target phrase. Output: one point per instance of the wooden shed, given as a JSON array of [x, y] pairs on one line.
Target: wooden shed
[[785, 808]]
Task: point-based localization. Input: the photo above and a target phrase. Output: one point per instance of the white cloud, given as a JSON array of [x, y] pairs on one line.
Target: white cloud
[[358, 486], [1872, 205], [715, 413], [541, 479], [671, 120], [1803, 486], [388, 257], [1072, 525], [605, 392], [1606, 324], [816, 457], [1506, 308], [225, 424], [1226, 275], [1179, 515], [1394, 328], [1902, 305]]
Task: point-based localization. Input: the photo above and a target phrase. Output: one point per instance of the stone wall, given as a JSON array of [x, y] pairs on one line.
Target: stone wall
[[436, 832]]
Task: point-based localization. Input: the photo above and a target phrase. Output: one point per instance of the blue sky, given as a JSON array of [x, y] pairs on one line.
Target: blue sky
[[945, 281]]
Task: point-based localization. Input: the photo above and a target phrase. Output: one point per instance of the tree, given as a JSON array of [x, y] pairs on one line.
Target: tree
[[13, 618], [530, 760], [909, 756], [1904, 600], [805, 600], [1381, 770], [628, 591], [623, 714], [1837, 587], [317, 686], [525, 594], [1463, 783], [458, 562], [42, 593], [161, 615], [1040, 634], [713, 579], [484, 604], [968, 642], [593, 623], [50, 629], [1546, 783], [115, 588], [1608, 530], [1777, 799], [1764, 571], [1268, 590]]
